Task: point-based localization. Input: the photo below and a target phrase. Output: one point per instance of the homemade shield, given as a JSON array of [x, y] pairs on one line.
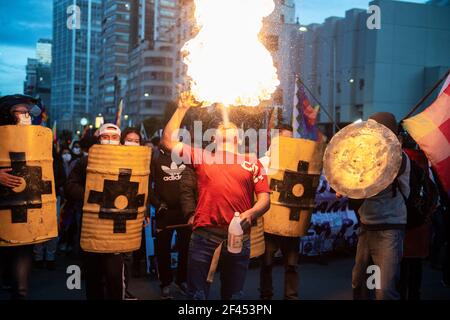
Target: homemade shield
[[115, 198], [27, 212], [294, 174], [362, 160], [257, 245]]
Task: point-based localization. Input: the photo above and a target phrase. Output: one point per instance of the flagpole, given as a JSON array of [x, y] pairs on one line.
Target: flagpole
[[436, 85], [320, 104]]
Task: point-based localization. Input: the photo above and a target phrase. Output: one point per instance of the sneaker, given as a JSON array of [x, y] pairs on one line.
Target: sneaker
[[51, 265], [129, 296], [165, 293], [182, 287]]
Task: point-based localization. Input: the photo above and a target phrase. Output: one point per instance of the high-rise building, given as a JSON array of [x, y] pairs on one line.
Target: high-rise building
[[356, 71], [280, 36], [44, 51], [151, 61], [75, 61], [115, 43], [38, 73]]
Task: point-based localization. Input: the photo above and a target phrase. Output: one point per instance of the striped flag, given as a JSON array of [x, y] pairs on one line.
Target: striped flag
[[431, 130], [119, 114], [304, 117], [55, 134]]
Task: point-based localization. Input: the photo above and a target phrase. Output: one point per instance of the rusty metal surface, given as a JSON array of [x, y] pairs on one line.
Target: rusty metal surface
[[362, 160]]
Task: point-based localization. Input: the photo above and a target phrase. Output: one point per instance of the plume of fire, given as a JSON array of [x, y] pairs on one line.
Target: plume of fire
[[226, 61]]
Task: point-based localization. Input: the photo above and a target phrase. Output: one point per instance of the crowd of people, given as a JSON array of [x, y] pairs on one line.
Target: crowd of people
[[197, 199]]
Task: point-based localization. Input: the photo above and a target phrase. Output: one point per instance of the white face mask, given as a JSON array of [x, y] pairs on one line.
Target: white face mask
[[76, 151], [67, 157], [110, 142], [24, 119], [131, 143]]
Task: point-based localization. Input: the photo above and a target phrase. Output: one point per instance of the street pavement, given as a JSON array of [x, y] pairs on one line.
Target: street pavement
[[318, 281]]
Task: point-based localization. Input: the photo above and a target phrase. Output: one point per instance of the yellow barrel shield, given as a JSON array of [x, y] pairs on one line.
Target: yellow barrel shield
[[115, 198], [28, 212], [294, 173]]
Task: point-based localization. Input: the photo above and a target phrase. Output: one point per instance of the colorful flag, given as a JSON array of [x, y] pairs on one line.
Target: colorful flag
[[304, 118], [431, 130], [119, 113], [55, 134]]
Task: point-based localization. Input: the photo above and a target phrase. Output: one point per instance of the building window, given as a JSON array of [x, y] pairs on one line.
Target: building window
[[338, 87], [319, 90], [362, 83], [338, 114]]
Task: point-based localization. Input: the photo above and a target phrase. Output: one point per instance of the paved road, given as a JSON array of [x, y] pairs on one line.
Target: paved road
[[317, 282]]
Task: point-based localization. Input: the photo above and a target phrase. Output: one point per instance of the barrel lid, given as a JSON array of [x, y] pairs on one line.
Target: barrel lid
[[362, 159]]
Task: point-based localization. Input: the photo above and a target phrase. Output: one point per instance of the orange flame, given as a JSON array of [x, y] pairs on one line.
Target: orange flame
[[226, 62]]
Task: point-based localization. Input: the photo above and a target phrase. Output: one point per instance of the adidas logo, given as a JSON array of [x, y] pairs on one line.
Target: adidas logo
[[174, 172]]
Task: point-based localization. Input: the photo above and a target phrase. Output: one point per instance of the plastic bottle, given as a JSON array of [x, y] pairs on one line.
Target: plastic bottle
[[235, 234]]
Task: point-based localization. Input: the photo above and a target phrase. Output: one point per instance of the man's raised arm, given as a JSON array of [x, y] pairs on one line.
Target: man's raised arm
[[184, 103]]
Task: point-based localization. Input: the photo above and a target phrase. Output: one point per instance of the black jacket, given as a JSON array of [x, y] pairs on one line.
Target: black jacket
[[188, 192], [76, 183]]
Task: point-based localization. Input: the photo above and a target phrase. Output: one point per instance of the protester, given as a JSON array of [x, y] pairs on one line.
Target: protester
[[289, 246], [224, 189], [76, 150], [383, 222], [165, 198], [16, 261], [67, 219], [420, 205], [132, 137], [104, 271]]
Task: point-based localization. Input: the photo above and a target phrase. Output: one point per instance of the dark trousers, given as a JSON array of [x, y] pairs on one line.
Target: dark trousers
[[410, 278], [105, 276], [163, 247], [16, 265], [289, 247]]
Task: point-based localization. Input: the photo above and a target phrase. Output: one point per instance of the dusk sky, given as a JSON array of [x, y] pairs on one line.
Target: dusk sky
[[23, 22]]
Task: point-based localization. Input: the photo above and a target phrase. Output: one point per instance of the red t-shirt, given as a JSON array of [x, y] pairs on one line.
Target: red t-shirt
[[225, 186]]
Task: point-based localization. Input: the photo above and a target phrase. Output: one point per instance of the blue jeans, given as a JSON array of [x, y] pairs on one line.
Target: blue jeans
[[384, 249], [233, 269]]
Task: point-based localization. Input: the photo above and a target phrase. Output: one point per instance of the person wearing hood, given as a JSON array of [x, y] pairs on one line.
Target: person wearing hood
[[382, 232], [16, 261]]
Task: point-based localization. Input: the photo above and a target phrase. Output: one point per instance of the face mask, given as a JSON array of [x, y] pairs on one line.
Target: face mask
[[24, 119], [76, 151], [67, 157], [110, 142], [131, 143]]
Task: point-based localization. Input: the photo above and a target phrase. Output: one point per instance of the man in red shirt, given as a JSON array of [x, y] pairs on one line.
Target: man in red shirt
[[227, 182]]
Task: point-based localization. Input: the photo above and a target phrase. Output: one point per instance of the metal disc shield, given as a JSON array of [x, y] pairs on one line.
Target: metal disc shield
[[362, 160]]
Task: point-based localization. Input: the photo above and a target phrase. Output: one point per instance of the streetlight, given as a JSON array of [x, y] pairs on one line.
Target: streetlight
[[84, 121], [303, 29], [146, 94]]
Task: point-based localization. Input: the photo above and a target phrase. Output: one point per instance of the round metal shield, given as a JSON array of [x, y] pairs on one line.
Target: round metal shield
[[362, 160]]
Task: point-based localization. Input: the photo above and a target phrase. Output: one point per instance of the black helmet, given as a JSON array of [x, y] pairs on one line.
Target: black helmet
[[7, 102]]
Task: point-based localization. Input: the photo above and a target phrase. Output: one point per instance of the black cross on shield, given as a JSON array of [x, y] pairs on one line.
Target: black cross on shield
[[119, 201], [29, 194], [297, 190]]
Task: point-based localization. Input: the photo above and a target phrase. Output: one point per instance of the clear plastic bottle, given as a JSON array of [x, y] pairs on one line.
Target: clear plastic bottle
[[235, 234]]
